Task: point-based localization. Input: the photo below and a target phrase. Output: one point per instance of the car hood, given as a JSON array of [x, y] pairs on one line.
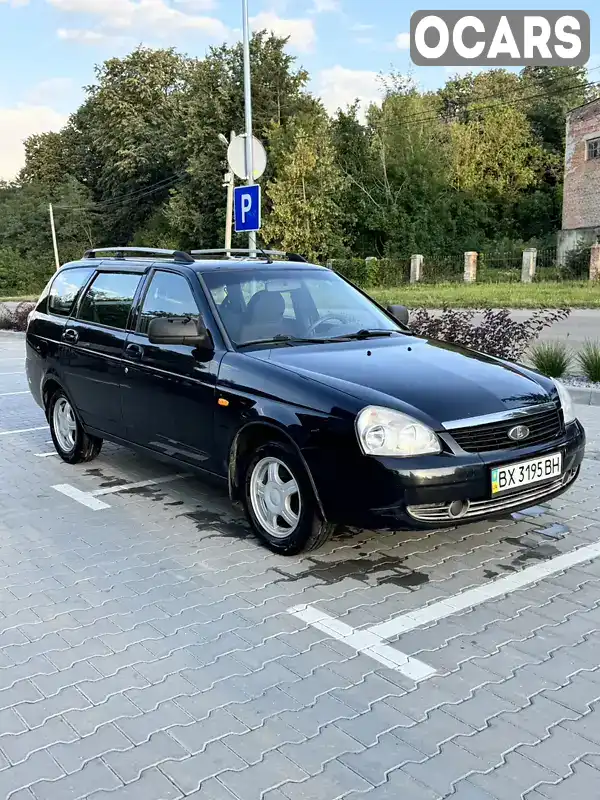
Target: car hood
[[443, 381]]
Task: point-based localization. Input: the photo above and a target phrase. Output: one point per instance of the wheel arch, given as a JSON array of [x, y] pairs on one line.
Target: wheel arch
[[247, 439]]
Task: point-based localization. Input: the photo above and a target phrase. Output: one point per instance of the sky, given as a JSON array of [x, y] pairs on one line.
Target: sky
[[49, 47]]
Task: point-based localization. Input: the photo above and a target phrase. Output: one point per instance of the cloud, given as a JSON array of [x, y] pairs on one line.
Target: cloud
[[323, 6], [403, 41], [15, 3], [361, 27], [52, 92], [340, 86], [85, 36], [16, 124], [141, 17], [301, 31]]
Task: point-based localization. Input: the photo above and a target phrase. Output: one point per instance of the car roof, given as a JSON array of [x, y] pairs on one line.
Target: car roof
[[198, 265]]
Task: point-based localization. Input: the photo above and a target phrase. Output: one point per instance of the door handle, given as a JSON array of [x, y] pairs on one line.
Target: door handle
[[70, 335], [134, 351]]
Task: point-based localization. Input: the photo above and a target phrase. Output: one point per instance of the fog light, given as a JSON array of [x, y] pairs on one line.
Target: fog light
[[458, 509]]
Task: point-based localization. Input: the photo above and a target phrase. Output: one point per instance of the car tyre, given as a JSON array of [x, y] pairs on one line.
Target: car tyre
[[72, 443], [280, 501]]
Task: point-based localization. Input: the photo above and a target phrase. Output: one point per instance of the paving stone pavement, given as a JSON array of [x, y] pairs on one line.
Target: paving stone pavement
[[147, 650]]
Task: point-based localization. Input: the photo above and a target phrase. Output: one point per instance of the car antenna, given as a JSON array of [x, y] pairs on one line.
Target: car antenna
[[265, 255]]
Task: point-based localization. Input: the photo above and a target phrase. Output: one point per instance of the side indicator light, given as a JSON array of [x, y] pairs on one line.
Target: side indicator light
[[222, 402]]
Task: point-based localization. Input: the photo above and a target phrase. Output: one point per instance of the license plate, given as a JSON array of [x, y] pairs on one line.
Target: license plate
[[524, 473]]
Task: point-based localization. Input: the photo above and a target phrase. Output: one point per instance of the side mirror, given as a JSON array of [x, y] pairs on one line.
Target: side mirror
[[400, 313], [179, 331]]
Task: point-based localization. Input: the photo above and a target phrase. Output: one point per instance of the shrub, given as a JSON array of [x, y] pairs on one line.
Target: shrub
[[361, 271], [496, 334], [577, 261], [551, 358], [15, 320], [589, 361]]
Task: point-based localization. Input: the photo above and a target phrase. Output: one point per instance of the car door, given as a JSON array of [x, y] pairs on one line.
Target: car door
[[169, 390], [95, 339]]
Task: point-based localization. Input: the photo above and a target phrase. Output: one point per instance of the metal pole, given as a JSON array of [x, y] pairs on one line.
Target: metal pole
[[248, 114], [53, 229], [229, 177]]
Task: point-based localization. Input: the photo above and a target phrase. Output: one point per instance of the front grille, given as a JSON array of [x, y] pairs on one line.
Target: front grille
[[544, 428], [439, 512]]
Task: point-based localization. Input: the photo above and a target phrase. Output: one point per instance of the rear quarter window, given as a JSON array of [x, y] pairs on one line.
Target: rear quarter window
[[65, 290]]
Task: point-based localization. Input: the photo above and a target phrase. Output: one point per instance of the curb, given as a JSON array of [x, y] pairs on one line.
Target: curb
[[585, 397]]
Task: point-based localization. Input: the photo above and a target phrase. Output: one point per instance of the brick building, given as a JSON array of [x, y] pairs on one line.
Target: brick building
[[581, 203]]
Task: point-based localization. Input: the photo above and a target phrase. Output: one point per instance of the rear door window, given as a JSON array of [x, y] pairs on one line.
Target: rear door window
[[109, 299], [65, 290]]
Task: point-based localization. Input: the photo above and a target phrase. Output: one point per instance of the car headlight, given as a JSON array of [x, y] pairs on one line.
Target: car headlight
[[385, 432], [565, 401]]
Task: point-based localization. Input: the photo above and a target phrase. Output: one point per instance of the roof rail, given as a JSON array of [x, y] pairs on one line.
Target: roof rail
[[177, 255], [233, 252]]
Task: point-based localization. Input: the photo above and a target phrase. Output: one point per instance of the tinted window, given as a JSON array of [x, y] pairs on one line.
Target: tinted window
[[65, 290], [109, 299], [168, 295]]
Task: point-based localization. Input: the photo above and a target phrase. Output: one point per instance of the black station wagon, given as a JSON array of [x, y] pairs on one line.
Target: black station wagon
[[315, 404]]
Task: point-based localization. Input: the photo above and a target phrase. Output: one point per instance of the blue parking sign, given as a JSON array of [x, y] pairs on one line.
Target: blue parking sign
[[247, 208]]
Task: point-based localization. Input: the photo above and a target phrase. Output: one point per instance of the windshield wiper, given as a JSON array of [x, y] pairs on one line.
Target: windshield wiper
[[364, 333], [283, 338]]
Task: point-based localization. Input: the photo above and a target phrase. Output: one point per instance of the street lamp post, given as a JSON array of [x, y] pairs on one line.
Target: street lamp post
[[248, 114]]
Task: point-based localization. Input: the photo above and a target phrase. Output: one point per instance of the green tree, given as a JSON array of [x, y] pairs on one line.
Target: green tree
[[305, 216], [214, 104], [25, 227]]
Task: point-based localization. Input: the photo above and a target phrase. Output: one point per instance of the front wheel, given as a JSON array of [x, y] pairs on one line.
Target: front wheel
[[280, 502], [72, 443]]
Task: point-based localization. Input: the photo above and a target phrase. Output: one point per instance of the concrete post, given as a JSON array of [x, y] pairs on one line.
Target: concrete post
[[529, 265], [595, 262], [416, 268], [470, 267]]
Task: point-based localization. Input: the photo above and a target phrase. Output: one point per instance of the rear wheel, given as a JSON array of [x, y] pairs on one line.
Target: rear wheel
[[72, 443], [280, 502]]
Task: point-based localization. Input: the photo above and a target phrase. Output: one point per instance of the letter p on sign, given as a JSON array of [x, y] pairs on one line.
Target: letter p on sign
[[247, 208]]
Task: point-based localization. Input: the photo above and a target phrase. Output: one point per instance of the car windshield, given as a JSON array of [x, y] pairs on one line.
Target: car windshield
[[293, 304]]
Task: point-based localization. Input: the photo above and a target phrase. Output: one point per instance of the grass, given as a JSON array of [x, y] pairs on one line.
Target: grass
[[572, 294], [26, 297], [492, 295]]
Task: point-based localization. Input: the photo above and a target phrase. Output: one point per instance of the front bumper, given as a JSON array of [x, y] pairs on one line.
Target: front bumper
[[416, 493]]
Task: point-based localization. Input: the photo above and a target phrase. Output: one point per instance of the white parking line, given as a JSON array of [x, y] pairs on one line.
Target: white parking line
[[24, 430], [90, 500], [11, 373], [485, 593], [364, 642], [46, 455], [12, 394], [85, 498]]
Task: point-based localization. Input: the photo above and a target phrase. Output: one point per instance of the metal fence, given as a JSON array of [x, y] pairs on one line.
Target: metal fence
[[508, 266]]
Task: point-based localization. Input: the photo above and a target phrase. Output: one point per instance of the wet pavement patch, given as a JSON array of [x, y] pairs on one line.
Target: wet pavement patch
[[370, 571], [231, 529]]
